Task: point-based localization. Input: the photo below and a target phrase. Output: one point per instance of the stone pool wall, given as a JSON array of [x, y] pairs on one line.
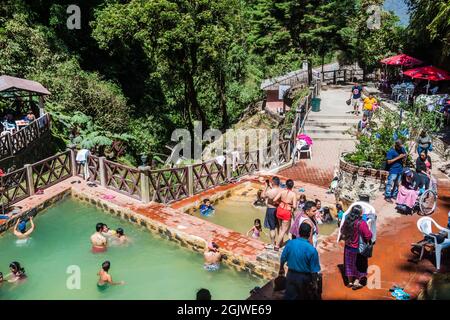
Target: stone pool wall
[[354, 181], [263, 265]]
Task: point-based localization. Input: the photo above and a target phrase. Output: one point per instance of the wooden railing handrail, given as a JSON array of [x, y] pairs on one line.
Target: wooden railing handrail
[[50, 158]]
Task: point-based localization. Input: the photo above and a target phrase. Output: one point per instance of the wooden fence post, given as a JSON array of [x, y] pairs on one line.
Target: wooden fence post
[[30, 183], [73, 158], [190, 179], [334, 77], [145, 185], [102, 171], [10, 145], [228, 168]]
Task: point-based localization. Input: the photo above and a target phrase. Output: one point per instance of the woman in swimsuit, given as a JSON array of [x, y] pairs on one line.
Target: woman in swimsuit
[[105, 278], [17, 272], [288, 202]]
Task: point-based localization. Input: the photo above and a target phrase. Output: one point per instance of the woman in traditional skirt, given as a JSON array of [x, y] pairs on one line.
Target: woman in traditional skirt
[[355, 264]]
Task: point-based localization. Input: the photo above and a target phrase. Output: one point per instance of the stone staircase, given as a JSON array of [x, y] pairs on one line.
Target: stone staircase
[[330, 127]]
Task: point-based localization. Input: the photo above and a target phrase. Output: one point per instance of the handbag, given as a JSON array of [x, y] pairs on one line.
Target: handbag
[[365, 248], [348, 102]]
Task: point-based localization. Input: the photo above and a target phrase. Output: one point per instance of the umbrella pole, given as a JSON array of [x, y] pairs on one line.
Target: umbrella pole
[[428, 86]]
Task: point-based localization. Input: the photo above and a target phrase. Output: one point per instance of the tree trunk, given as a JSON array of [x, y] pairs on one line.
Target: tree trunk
[[193, 101]]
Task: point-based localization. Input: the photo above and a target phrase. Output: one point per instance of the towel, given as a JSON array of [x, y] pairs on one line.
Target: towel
[[220, 160], [82, 158], [235, 158], [82, 155], [305, 137]]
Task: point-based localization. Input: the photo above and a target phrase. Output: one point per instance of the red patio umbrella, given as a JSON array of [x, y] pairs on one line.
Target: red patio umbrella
[[402, 60], [429, 73]]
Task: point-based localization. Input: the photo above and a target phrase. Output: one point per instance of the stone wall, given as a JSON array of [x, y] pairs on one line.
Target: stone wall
[[261, 266], [33, 211], [354, 181]]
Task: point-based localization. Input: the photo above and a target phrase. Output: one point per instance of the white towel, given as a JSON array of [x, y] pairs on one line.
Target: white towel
[[220, 160], [235, 158], [82, 155]]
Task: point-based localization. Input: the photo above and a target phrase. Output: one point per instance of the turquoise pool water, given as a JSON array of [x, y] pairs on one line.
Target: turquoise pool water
[[152, 268]]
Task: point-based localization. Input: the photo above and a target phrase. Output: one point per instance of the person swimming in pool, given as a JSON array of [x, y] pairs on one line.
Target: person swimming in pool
[[212, 257], [104, 276], [20, 229], [98, 240], [17, 272], [107, 232], [120, 238]]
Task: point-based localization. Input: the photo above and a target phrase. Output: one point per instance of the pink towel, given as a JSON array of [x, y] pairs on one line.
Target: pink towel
[[306, 138], [108, 196], [407, 197]]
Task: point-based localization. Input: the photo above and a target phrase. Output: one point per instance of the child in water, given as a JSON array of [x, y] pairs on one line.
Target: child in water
[[256, 230], [206, 209]]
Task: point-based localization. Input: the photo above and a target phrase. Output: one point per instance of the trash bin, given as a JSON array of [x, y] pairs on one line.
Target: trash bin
[[315, 104]]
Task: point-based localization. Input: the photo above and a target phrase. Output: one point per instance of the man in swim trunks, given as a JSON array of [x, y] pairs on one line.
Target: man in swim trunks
[[98, 240], [20, 229], [270, 220], [105, 278], [212, 257]]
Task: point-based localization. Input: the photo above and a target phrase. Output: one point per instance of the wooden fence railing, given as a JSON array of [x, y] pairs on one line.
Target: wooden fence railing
[[123, 179], [11, 144], [345, 75], [22, 183]]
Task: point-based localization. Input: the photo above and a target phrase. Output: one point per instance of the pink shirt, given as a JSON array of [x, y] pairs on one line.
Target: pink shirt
[[363, 230]]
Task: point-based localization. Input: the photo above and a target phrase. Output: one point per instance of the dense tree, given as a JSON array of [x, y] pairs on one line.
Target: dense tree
[[429, 30]]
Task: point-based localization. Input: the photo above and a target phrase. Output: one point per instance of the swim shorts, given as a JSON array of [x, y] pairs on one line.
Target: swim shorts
[[270, 221]]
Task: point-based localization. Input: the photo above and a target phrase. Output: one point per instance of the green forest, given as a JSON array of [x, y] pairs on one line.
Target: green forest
[[137, 69]]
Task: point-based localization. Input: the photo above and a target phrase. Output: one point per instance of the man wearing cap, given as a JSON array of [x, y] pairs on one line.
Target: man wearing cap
[[394, 158], [303, 279], [20, 229]]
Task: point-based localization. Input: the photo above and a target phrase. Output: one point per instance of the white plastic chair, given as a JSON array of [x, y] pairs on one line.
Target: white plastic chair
[[424, 225]]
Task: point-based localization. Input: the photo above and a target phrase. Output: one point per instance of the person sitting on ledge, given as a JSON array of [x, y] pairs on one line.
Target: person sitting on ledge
[[206, 209], [98, 240], [212, 257]]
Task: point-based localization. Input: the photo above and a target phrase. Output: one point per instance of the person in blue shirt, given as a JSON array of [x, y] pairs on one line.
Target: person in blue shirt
[[395, 161], [355, 98], [302, 280], [206, 209]]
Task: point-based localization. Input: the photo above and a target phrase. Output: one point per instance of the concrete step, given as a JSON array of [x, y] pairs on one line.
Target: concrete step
[[330, 122], [330, 129], [318, 116], [330, 136]]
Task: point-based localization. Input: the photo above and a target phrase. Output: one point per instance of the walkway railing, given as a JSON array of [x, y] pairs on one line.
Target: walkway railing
[[344, 75], [11, 144]]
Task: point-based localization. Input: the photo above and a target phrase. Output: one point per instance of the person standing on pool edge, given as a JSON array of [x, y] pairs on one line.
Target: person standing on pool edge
[[288, 203], [98, 240], [105, 278], [270, 220]]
